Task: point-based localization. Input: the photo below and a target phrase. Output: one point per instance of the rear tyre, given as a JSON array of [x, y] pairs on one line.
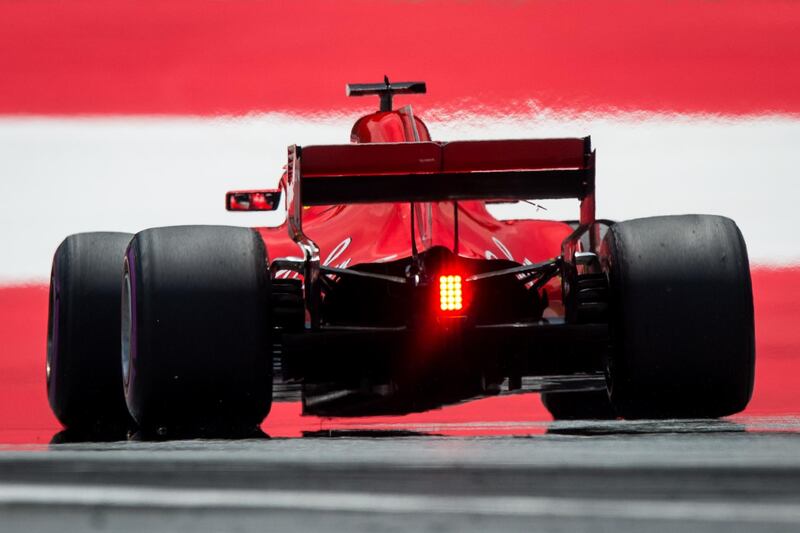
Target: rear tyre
[[84, 377], [681, 317], [196, 330], [585, 405]]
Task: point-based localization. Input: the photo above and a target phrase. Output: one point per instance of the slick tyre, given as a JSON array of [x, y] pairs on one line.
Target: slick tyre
[[84, 377], [196, 330], [584, 405], [681, 317]]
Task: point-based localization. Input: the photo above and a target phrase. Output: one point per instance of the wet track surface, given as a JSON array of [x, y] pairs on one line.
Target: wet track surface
[[728, 475]]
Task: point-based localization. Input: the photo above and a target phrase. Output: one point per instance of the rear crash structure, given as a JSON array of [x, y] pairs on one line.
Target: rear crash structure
[[197, 329]]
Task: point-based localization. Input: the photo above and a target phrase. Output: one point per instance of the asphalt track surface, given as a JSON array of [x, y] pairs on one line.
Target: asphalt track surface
[[725, 475]]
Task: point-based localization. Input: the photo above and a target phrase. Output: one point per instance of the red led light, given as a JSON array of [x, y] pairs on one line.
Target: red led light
[[450, 295]]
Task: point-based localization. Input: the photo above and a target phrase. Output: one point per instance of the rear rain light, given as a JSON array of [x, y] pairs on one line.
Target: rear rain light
[[450, 294]]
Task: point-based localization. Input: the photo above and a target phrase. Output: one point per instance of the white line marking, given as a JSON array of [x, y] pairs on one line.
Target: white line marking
[[64, 175], [182, 498]]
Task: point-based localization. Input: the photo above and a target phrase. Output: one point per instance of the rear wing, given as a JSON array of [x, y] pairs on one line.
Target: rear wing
[[430, 171], [433, 171], [531, 169]]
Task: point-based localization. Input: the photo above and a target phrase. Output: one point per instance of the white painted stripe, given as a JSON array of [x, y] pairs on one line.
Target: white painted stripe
[[395, 503], [65, 175]]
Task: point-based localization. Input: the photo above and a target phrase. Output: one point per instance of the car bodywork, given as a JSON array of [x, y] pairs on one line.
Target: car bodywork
[[374, 227]]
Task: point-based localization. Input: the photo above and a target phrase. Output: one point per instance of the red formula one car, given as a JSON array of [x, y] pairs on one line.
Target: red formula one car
[[391, 289]]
